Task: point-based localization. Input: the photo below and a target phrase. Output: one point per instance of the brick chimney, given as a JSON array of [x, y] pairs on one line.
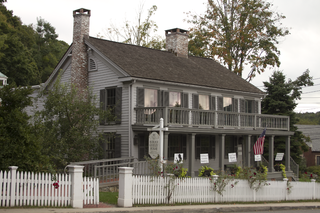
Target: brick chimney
[[79, 64], [177, 42]]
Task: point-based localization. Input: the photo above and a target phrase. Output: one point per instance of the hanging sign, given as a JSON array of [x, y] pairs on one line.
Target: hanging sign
[[232, 157], [257, 157], [204, 158], [154, 148], [279, 156], [178, 157]]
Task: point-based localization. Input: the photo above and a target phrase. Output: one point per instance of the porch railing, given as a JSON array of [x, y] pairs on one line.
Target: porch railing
[[216, 119]]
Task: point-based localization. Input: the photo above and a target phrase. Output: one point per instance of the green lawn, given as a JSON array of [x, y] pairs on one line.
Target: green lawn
[[109, 197]]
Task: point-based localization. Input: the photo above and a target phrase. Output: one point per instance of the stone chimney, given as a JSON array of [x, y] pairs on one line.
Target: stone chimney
[[79, 64], [177, 42]]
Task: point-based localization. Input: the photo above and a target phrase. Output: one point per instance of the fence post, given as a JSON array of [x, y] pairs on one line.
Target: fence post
[[286, 187], [13, 171], [125, 187], [215, 179], [313, 181], [76, 186]]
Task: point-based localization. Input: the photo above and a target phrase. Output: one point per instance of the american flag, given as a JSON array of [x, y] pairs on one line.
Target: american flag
[[258, 146]]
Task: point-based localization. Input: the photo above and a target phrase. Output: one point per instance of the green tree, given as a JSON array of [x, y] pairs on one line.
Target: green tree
[[140, 33], [16, 58], [238, 32], [280, 100], [20, 144], [47, 50], [70, 124]]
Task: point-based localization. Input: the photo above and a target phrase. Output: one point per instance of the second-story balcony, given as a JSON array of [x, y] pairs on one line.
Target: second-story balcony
[[215, 119]]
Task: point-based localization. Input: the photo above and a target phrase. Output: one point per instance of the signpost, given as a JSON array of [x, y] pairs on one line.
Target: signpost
[[232, 157], [160, 128], [279, 156], [257, 157], [178, 158], [154, 147], [204, 158]]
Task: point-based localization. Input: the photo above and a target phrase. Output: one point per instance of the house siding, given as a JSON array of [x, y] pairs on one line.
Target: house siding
[[105, 76]]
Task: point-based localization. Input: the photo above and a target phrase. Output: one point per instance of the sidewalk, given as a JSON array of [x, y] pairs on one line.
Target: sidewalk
[[177, 209]]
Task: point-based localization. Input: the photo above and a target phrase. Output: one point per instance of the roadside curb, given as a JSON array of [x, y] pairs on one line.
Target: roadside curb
[[176, 209]]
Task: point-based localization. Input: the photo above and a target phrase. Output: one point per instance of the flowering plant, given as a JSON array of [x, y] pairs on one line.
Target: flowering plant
[[56, 182]]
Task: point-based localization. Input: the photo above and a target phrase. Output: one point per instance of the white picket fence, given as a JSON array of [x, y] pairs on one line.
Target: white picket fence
[[37, 189], [155, 190]]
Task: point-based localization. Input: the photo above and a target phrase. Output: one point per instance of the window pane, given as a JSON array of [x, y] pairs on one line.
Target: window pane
[[150, 98], [204, 102], [174, 99], [227, 104], [248, 106]]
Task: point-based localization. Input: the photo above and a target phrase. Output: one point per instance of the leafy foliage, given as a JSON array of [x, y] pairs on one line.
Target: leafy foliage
[[140, 33], [280, 100], [20, 144], [308, 118], [70, 124], [238, 32], [27, 55]]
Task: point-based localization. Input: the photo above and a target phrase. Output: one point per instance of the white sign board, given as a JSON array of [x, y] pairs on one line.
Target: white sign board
[[204, 158], [257, 157], [178, 157], [232, 157], [154, 147], [279, 156]]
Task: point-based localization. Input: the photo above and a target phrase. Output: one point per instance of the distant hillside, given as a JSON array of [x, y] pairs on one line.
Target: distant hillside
[[309, 118]]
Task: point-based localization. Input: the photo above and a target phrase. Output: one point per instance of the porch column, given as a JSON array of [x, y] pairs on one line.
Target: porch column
[[192, 153], [165, 145], [221, 150], [271, 154], [287, 154], [248, 151]]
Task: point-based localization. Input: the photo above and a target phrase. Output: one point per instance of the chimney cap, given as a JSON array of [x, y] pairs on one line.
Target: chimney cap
[[82, 11], [176, 30]]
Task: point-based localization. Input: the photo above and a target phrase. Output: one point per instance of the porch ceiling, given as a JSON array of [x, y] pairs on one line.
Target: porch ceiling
[[203, 130]]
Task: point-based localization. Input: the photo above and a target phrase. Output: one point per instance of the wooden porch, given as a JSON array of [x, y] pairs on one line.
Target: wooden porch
[[176, 116]]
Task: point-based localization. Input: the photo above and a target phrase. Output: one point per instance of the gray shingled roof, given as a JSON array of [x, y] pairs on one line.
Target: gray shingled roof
[[313, 131], [160, 65]]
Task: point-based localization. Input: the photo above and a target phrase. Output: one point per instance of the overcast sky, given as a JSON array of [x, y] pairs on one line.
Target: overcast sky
[[299, 50]]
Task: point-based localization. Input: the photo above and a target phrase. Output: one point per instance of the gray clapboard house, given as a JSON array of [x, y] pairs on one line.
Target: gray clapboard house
[[207, 108]]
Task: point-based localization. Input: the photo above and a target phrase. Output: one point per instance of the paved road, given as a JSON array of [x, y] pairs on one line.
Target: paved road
[[308, 207], [289, 211]]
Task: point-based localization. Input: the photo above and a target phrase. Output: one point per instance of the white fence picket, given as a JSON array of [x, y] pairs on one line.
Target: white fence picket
[[154, 190], [37, 189]]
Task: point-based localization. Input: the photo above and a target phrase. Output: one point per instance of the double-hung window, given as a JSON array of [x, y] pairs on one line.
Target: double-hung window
[[174, 99], [111, 145], [150, 98], [110, 100]]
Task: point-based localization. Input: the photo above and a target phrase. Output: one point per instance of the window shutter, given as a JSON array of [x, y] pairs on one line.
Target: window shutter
[[212, 103], [235, 104], [118, 107], [185, 100], [220, 103], [165, 98], [198, 147], [102, 104], [195, 101], [117, 146], [140, 97], [242, 105], [160, 98], [212, 154], [256, 107]]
